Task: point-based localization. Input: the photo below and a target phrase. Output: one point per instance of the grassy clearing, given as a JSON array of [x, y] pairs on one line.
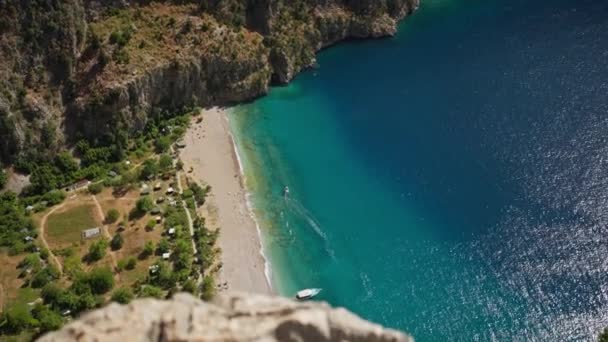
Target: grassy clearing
[[66, 227], [9, 277]]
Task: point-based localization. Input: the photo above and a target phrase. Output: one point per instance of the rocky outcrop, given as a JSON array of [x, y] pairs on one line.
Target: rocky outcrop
[[64, 72], [187, 82], [235, 317]]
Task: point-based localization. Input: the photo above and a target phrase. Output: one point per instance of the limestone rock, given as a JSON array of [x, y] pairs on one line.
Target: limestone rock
[[232, 317]]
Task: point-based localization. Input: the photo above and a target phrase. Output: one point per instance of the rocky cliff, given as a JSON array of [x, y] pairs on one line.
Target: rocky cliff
[[236, 317], [75, 69]]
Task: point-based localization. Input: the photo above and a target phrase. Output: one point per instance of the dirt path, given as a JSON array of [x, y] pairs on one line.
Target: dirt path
[[106, 232], [190, 224], [43, 239]]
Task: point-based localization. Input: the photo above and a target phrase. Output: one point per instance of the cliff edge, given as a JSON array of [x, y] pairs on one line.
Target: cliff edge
[[231, 317], [97, 70]]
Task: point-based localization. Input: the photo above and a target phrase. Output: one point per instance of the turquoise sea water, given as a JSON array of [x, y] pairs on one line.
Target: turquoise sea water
[[452, 181]]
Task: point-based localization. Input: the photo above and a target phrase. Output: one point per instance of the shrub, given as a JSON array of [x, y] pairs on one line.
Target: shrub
[[54, 197], [112, 215], [51, 293], [163, 246], [101, 280], [122, 295], [148, 249], [95, 188], [151, 224], [18, 318], [44, 253], [44, 276], [131, 262], [97, 250], [208, 289], [117, 242], [162, 144], [165, 162], [151, 291], [190, 286], [48, 319], [187, 193], [144, 205], [149, 169]]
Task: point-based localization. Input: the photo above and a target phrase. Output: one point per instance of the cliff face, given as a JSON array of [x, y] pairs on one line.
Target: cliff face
[[236, 317], [81, 68]]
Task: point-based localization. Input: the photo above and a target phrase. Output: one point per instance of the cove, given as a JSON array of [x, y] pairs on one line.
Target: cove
[[449, 182]]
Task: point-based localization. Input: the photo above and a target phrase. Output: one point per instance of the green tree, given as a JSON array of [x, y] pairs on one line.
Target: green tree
[[31, 261], [144, 204], [122, 295], [66, 163], [48, 319], [165, 162], [117, 242], [43, 179], [101, 280], [162, 144], [97, 250], [95, 188], [112, 215], [163, 245], [54, 197], [51, 293], [18, 318], [149, 169], [44, 276]]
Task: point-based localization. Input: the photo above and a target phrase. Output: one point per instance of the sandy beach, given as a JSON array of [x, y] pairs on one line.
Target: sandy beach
[[210, 152]]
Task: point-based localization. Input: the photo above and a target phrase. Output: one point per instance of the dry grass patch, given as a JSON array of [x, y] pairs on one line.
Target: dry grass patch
[[66, 226], [9, 278]]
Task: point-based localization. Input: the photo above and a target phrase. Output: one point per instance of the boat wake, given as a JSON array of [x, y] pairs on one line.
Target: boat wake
[[297, 208]]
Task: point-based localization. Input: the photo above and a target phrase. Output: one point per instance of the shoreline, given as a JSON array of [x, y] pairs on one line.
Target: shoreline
[[213, 155], [235, 150]]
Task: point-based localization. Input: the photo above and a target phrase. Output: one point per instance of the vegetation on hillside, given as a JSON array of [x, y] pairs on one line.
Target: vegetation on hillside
[[79, 287]]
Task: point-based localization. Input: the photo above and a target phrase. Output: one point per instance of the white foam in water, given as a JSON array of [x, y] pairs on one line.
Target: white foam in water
[[267, 266], [312, 222]]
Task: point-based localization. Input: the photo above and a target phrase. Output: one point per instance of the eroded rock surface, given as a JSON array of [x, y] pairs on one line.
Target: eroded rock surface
[[232, 317]]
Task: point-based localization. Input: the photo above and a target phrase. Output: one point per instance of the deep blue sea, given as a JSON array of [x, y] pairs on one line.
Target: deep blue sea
[[451, 182]]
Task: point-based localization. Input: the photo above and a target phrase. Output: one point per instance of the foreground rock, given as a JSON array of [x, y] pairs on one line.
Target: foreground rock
[[233, 317]]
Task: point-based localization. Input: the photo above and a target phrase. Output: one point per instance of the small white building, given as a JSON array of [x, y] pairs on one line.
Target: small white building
[[170, 190], [28, 238], [159, 219], [91, 233], [29, 208], [166, 256], [172, 231]]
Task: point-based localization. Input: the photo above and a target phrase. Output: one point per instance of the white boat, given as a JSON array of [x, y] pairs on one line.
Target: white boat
[[307, 294], [286, 191]]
